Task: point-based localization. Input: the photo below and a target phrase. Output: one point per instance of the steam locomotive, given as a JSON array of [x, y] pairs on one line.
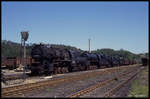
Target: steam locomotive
[[49, 60]]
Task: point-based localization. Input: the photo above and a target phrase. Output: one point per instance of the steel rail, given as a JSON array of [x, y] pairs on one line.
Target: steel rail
[[110, 92], [20, 89], [98, 85]]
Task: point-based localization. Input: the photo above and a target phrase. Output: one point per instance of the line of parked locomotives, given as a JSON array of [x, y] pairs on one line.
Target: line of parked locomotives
[[48, 60]]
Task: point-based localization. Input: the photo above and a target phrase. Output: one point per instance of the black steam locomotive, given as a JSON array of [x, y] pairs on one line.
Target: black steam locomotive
[[49, 60]]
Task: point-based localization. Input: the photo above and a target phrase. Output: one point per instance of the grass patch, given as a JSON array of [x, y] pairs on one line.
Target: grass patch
[[139, 91], [145, 72], [137, 88]]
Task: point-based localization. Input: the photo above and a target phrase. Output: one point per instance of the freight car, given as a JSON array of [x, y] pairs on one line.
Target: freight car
[[3, 64], [11, 62], [145, 61], [14, 62]]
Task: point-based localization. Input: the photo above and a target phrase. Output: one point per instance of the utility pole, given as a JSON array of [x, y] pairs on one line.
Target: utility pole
[[21, 52], [24, 59], [89, 46], [24, 37]]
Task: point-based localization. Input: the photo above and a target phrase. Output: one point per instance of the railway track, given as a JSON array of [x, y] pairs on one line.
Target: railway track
[[102, 84], [13, 77], [20, 76], [113, 90], [20, 89]]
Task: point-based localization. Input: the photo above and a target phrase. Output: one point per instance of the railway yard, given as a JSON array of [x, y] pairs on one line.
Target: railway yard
[[107, 82], [56, 61]]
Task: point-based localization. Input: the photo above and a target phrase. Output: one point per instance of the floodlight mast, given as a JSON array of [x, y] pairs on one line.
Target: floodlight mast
[[24, 37]]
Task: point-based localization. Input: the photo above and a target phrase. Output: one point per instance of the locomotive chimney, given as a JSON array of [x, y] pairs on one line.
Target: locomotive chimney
[[89, 46]]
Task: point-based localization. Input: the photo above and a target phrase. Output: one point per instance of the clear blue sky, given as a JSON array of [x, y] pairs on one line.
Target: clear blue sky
[[113, 25]]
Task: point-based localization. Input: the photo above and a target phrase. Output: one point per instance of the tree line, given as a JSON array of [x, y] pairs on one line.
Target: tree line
[[13, 49]]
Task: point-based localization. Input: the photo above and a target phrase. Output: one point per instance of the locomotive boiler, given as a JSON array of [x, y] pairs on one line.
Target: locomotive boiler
[[48, 59]]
